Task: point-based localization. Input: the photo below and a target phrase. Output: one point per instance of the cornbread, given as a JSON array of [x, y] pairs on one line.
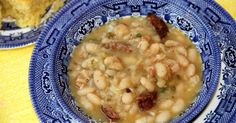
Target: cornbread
[[27, 12]]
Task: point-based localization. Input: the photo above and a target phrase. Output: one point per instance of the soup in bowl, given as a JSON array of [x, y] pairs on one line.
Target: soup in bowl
[[125, 61], [135, 69]]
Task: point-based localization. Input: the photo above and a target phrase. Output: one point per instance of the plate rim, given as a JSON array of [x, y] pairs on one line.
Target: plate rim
[[20, 43]]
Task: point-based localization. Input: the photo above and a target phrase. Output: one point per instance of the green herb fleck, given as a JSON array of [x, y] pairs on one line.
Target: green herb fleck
[[93, 39], [162, 90], [138, 35], [172, 88], [93, 63]]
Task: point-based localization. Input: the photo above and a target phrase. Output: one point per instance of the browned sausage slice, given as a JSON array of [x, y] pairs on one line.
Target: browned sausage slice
[[159, 25], [117, 46], [110, 113], [146, 100]]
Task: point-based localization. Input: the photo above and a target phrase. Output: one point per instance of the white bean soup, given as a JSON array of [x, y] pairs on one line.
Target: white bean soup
[[135, 70]]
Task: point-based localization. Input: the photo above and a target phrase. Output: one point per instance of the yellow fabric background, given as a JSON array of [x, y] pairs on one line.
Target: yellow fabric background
[[15, 103]]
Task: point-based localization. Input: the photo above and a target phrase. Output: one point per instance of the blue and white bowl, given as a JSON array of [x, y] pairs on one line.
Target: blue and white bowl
[[210, 28]]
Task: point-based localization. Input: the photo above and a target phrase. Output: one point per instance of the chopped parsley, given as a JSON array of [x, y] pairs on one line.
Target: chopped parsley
[[162, 90], [138, 35]]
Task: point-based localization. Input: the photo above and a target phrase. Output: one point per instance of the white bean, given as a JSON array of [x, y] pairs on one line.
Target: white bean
[[147, 84], [85, 73], [171, 43], [121, 29], [115, 81], [181, 51], [85, 90], [180, 89], [150, 119], [73, 74], [156, 38], [72, 66], [122, 114], [129, 60], [91, 47], [125, 83], [150, 61], [162, 47], [143, 45], [160, 57], [174, 66], [191, 70], [161, 83], [94, 99], [113, 63], [110, 72], [183, 61], [154, 48], [101, 66], [86, 103], [106, 40], [151, 71], [113, 89], [145, 119], [161, 70], [152, 113], [195, 79], [147, 38], [127, 98], [140, 89], [80, 84], [163, 117], [141, 120], [121, 75], [127, 107], [80, 53], [135, 23], [133, 109], [89, 63], [99, 80], [81, 79], [192, 55], [166, 104], [178, 106]]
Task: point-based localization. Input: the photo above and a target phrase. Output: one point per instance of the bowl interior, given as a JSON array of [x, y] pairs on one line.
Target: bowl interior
[[98, 13]]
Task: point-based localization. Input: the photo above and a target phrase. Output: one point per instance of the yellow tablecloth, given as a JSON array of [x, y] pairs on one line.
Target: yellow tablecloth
[[15, 103]]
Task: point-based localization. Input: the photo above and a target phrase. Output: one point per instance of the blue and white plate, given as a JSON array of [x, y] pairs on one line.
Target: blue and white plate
[[209, 26], [12, 36]]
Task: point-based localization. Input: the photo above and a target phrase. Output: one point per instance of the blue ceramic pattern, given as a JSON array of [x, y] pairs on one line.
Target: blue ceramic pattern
[[210, 28]]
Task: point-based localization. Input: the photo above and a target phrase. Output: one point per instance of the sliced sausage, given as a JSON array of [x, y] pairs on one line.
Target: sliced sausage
[[110, 113], [159, 25], [146, 100], [120, 46]]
